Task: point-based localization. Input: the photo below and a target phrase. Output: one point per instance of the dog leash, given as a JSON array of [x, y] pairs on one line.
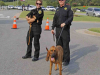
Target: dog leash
[[54, 35], [60, 35]]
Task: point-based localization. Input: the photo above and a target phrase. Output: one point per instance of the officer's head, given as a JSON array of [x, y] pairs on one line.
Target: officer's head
[[61, 2], [38, 3]]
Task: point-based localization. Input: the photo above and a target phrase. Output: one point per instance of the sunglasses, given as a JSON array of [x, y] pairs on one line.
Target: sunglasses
[[39, 3], [61, 0]]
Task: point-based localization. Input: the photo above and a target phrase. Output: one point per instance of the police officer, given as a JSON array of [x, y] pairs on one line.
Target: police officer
[[34, 18], [63, 18]]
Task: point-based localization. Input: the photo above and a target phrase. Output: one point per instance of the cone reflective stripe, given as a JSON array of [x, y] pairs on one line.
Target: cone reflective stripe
[[47, 25], [14, 23]]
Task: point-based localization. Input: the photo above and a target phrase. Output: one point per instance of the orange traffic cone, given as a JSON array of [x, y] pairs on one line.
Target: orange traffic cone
[[47, 25], [14, 23]]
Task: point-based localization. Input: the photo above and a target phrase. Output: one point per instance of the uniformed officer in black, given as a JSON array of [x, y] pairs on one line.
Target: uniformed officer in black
[[34, 18], [63, 18]]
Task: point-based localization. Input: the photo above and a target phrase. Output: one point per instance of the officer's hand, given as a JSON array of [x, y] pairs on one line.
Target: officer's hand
[[52, 31], [28, 18], [63, 24]]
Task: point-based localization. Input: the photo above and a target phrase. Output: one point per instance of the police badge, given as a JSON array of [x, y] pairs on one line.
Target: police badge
[[39, 11], [65, 8]]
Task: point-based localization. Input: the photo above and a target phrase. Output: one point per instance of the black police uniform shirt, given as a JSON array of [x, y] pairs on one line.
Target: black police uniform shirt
[[63, 14], [36, 27], [38, 14]]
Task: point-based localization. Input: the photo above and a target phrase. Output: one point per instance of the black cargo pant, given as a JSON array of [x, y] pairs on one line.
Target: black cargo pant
[[64, 42], [35, 33]]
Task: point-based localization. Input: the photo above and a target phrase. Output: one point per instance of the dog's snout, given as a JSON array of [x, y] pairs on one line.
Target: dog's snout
[[53, 55]]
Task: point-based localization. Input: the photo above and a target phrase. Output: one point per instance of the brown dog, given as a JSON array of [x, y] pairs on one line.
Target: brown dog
[[55, 55]]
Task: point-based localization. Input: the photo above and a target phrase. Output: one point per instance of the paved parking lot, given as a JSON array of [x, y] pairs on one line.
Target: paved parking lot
[[85, 50]]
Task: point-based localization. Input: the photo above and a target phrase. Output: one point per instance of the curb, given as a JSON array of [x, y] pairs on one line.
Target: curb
[[17, 15], [86, 31]]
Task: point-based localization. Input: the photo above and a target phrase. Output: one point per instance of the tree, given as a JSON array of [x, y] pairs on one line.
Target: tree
[[19, 3], [2, 3], [52, 3]]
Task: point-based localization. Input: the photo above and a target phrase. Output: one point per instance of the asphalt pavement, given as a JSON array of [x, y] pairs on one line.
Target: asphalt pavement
[[85, 50], [8, 14]]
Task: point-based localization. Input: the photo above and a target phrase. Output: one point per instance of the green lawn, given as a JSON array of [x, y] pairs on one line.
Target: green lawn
[[25, 3], [50, 15], [95, 30], [79, 12], [81, 7], [47, 14], [87, 18]]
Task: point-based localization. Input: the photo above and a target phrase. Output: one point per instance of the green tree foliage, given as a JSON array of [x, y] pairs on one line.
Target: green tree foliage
[[85, 2], [7, 0], [2, 3], [19, 3], [52, 3]]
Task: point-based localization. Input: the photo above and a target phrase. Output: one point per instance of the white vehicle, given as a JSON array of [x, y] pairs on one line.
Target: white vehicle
[[43, 8], [19, 7], [93, 12], [51, 8], [10, 7], [31, 7], [16, 7]]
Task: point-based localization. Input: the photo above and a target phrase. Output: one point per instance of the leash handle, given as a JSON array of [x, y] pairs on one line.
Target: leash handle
[[54, 35]]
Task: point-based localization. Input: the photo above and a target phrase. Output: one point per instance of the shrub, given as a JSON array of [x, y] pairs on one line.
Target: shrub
[[74, 4], [96, 4], [2, 3], [91, 4], [74, 10]]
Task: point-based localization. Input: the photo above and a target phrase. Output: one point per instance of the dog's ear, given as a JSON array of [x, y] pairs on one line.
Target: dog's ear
[[47, 49]]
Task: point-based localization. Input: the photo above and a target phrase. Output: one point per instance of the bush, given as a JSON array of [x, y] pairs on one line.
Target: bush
[[2, 3], [79, 4], [96, 4], [91, 4], [74, 4], [74, 10], [19, 3]]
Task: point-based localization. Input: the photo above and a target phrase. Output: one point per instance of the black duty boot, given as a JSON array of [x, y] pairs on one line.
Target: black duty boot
[[25, 57], [35, 59]]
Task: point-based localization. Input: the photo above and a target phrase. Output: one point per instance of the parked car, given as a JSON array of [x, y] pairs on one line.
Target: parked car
[[16, 7], [19, 7], [83, 10], [93, 12], [51, 8], [43, 8], [10, 7], [30, 8]]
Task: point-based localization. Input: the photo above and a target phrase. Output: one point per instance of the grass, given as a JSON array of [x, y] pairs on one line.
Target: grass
[[79, 12], [87, 18], [81, 7], [95, 30], [50, 15], [31, 2]]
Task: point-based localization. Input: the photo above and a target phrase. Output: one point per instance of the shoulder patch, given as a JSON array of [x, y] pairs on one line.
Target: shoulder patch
[[39, 11]]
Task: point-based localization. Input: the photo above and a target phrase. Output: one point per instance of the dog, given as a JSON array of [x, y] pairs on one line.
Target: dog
[[33, 15], [55, 55]]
